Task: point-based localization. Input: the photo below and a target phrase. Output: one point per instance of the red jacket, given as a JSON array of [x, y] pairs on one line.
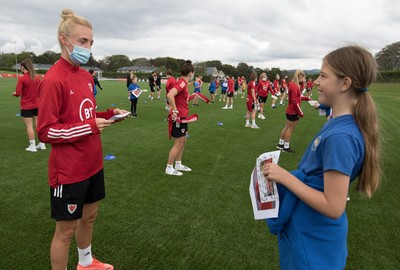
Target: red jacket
[[294, 97], [276, 86], [182, 98], [67, 121], [263, 87], [28, 90], [170, 84], [231, 86]]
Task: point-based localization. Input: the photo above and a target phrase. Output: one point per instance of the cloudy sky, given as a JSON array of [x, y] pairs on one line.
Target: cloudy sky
[[264, 33]]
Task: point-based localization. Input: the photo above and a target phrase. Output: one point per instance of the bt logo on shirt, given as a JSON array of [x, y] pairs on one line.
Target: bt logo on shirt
[[86, 109]]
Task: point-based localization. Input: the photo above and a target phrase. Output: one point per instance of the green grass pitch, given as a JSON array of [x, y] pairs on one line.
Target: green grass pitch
[[202, 220]]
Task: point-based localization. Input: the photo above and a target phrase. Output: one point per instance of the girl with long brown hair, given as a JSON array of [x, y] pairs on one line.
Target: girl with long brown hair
[[27, 89], [312, 223]]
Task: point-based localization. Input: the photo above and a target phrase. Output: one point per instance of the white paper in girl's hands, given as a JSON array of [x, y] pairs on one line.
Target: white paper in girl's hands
[[120, 116], [263, 193]]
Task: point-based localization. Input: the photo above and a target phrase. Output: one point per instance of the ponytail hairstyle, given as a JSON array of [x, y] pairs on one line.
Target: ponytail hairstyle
[[253, 75], [359, 65], [187, 68], [27, 64], [296, 77], [169, 72], [68, 20]]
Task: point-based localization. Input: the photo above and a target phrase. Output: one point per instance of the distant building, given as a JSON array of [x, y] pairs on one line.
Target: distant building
[[136, 69], [47, 67], [213, 71], [35, 66]]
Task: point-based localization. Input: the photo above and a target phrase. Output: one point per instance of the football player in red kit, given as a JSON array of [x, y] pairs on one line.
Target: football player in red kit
[[178, 100], [284, 89], [168, 86], [251, 102], [293, 111], [276, 90], [70, 123], [263, 87], [229, 93]]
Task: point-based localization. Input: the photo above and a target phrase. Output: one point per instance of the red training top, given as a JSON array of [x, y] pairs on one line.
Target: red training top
[[170, 84], [67, 121], [263, 87], [294, 100], [231, 86], [310, 84], [276, 86], [251, 85], [28, 90], [181, 99]]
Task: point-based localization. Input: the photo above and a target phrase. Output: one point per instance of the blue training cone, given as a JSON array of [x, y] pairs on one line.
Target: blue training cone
[[110, 157]]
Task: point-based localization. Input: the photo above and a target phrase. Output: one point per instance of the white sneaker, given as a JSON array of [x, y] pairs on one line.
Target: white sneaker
[[255, 126], [31, 148], [41, 146], [247, 125], [182, 168], [262, 117], [230, 107], [259, 116], [173, 172], [224, 108]]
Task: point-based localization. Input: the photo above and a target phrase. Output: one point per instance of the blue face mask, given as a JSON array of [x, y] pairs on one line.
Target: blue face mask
[[79, 55]]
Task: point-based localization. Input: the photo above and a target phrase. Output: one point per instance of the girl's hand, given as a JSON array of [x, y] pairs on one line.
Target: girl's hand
[[275, 173], [174, 115]]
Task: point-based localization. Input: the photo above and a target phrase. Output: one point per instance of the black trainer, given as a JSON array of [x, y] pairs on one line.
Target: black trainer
[[288, 150], [280, 146]]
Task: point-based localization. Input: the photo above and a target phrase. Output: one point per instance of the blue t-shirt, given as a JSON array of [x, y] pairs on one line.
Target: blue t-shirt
[[133, 86], [213, 86], [310, 240], [224, 86], [197, 88], [338, 146]]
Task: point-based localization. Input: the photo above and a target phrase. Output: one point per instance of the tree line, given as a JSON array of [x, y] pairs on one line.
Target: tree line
[[388, 59]]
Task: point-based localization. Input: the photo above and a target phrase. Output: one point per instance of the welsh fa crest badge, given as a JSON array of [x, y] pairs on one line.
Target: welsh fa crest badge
[[72, 208]]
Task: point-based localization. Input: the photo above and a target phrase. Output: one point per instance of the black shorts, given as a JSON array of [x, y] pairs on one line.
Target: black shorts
[[309, 89], [152, 88], [67, 200], [283, 90], [262, 99], [230, 94], [179, 129], [29, 113], [292, 117], [223, 92]]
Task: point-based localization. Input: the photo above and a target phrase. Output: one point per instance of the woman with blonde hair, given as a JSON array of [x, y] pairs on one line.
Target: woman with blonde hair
[[293, 111], [312, 223], [71, 124]]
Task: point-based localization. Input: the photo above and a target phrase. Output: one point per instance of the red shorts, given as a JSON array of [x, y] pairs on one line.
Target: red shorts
[[250, 105]]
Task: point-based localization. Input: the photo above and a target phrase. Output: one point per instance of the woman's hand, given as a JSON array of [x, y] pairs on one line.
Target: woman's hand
[[119, 111], [103, 123]]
